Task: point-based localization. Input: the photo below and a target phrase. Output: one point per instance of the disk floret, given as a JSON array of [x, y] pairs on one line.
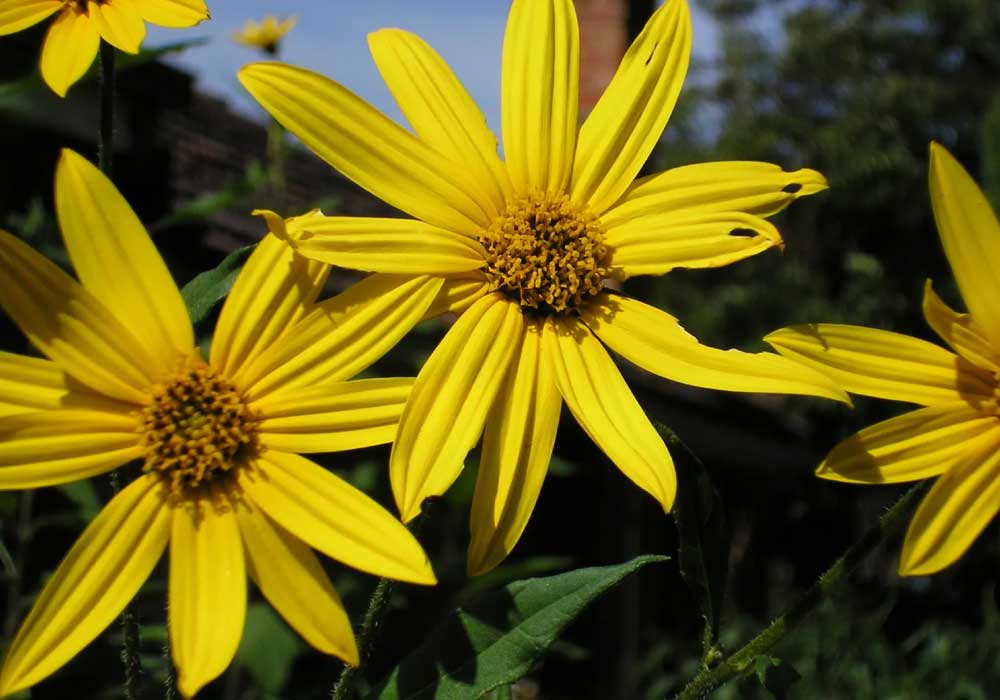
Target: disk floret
[[546, 253], [196, 429]]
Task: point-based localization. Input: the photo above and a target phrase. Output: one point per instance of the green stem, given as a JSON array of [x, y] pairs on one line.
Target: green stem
[[740, 662], [344, 689], [105, 156]]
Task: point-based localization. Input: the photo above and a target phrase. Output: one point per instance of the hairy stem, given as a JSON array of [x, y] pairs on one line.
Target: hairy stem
[[740, 662]]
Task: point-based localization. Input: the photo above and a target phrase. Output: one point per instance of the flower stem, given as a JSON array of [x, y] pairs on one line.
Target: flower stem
[[741, 662], [344, 688], [105, 156]]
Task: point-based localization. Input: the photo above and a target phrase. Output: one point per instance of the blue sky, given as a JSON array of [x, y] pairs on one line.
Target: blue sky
[[331, 39]]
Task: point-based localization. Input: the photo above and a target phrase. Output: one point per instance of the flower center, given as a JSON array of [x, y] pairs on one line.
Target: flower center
[[196, 430], [545, 253]]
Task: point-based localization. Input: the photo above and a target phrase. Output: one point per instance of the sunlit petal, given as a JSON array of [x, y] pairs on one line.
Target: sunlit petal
[[884, 364], [916, 445], [293, 581], [99, 576], [73, 328], [654, 340], [540, 93], [626, 123], [16, 15], [54, 447], [367, 147], [119, 23], [957, 508], [960, 332], [440, 110], [333, 417], [451, 397], [517, 445], [332, 516], [602, 403], [207, 591], [32, 384], [117, 262], [173, 13], [69, 49], [970, 234]]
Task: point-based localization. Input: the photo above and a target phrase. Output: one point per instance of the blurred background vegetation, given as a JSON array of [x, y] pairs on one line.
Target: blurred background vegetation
[[853, 88]]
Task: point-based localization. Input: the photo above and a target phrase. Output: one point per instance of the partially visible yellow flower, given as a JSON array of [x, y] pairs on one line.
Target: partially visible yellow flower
[[265, 34], [222, 482], [73, 38], [523, 248], [956, 436]]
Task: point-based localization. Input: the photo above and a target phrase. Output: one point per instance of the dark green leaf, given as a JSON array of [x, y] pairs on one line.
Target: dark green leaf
[[84, 496], [209, 288], [702, 534], [268, 648], [498, 639], [775, 675]]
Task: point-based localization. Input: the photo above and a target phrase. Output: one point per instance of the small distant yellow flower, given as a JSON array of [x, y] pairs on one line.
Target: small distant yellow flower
[[266, 34], [221, 481], [956, 436], [523, 249], [72, 41]]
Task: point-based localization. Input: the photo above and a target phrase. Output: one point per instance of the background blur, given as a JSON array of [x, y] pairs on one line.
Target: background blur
[[853, 88]]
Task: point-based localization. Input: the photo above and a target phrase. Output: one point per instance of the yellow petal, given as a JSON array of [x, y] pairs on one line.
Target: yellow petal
[[517, 446], [273, 291], [173, 13], [540, 93], [119, 23], [605, 408], [117, 262], [457, 294], [915, 445], [970, 234], [627, 121], [451, 397], [332, 516], [341, 336], [367, 147], [293, 581], [333, 417], [960, 332], [16, 15], [54, 447], [883, 364], [402, 246], [69, 49], [761, 189], [68, 324], [440, 110], [656, 244], [99, 576], [953, 513], [207, 591], [31, 384], [654, 340]]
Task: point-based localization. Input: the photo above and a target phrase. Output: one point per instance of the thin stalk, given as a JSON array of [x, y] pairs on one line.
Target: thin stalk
[[22, 534], [105, 156], [344, 688], [741, 662]]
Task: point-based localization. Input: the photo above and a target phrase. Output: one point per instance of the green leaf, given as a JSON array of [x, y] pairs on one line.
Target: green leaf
[[84, 495], [209, 288], [268, 648], [498, 639], [775, 675], [212, 202], [702, 534]]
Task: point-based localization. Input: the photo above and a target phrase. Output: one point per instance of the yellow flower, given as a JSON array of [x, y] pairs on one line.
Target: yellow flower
[[956, 435], [221, 480], [523, 247], [266, 34], [73, 38]]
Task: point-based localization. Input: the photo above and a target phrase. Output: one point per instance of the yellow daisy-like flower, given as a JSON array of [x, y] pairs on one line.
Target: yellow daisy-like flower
[[523, 248], [73, 38], [956, 435], [265, 34], [221, 480]]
